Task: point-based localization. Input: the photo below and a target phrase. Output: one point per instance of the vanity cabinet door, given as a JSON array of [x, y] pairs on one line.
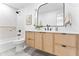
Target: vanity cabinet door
[[30, 38], [48, 42], [67, 39], [64, 50], [65, 44], [38, 40]]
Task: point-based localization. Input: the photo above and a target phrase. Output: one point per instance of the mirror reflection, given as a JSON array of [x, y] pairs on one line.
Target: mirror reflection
[[51, 14]]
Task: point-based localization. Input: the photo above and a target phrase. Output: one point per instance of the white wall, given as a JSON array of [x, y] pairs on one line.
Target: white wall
[[8, 17], [74, 10]]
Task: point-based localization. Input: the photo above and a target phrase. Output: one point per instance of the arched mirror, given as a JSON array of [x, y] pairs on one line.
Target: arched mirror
[[50, 14]]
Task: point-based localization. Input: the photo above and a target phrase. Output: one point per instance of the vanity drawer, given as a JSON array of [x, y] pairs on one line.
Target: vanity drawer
[[62, 50], [30, 38], [66, 39]]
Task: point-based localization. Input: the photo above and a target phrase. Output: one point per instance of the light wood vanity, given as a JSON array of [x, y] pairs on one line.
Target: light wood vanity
[[60, 44]]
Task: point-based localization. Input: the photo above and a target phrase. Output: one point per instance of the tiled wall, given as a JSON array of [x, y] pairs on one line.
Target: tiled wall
[[8, 22]]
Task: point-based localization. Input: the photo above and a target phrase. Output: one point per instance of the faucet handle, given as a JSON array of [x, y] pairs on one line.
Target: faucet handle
[[50, 29], [19, 30], [45, 29]]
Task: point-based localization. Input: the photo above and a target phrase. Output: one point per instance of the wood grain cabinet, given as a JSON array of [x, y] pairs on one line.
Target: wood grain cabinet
[[65, 44], [38, 40], [63, 50], [67, 39], [60, 44], [29, 36], [48, 42]]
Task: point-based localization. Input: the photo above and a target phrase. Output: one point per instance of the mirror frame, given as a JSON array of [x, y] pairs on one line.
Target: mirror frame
[[56, 25]]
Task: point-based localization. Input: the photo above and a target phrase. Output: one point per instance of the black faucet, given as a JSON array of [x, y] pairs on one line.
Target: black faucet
[[48, 27], [19, 34], [19, 30]]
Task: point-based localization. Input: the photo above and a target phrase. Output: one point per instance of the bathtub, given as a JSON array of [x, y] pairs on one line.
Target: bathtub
[[19, 44], [8, 45]]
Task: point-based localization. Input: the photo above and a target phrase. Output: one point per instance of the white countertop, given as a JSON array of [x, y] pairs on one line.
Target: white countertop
[[54, 31]]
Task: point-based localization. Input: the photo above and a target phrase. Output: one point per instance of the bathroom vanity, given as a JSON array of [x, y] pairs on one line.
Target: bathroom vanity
[[64, 39], [61, 44]]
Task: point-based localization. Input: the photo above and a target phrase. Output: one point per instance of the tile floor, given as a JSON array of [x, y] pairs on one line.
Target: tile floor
[[32, 52], [26, 52]]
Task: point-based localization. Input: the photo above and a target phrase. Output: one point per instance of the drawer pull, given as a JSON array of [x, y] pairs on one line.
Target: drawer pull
[[29, 39], [63, 45], [64, 34]]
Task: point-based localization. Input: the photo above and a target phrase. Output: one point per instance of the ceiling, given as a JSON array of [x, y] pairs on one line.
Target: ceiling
[[45, 8], [18, 5]]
